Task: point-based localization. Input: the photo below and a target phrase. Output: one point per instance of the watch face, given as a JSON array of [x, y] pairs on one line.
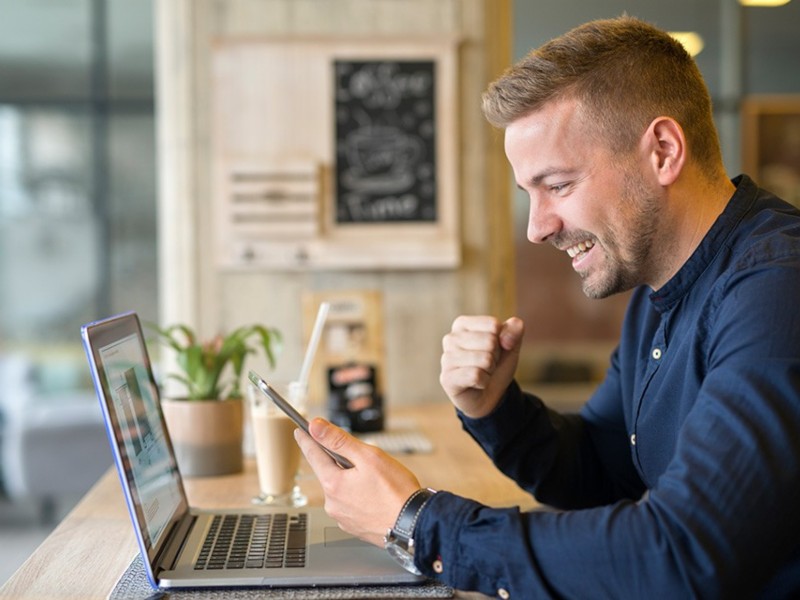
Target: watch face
[[402, 557]]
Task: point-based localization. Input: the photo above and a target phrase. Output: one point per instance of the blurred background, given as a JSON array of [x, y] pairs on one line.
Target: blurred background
[[77, 238], [79, 217]]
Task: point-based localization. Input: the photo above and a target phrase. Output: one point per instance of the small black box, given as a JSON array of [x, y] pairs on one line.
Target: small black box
[[354, 402]]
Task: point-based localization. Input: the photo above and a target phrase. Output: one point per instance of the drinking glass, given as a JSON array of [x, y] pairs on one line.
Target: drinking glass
[[277, 453]]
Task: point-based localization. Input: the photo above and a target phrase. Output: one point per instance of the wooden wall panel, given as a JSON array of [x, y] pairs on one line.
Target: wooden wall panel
[[419, 305]]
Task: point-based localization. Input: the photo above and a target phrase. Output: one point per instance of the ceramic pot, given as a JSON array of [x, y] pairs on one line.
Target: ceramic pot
[[206, 435]]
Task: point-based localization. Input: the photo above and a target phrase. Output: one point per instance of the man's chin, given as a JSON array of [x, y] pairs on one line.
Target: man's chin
[[594, 294], [595, 289]]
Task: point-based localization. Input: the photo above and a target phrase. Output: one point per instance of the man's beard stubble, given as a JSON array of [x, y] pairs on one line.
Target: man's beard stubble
[[634, 234]]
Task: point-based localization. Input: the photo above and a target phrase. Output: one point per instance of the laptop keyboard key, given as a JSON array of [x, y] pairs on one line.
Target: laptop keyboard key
[[254, 542]]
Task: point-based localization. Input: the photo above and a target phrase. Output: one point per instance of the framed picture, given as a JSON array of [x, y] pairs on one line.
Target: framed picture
[[771, 144], [385, 133], [336, 153]]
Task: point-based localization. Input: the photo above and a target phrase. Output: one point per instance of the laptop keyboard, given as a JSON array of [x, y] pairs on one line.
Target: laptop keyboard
[[254, 542]]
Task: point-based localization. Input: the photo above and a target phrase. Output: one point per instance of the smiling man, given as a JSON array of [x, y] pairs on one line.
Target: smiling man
[[680, 476], [606, 208]]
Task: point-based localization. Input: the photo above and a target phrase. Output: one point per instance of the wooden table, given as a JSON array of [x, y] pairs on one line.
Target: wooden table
[[91, 548]]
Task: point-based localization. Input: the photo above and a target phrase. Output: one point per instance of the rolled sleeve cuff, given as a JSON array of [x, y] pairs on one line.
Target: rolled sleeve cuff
[[445, 540]]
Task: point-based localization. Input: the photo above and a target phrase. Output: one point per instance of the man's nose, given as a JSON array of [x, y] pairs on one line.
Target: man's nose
[[542, 222]]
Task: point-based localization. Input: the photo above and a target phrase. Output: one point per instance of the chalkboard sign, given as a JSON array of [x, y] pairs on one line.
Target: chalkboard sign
[[385, 141]]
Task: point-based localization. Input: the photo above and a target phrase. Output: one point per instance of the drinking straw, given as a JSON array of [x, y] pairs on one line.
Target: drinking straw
[[311, 350]]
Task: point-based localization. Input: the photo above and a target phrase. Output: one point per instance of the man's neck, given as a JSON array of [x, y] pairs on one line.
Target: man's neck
[[694, 203]]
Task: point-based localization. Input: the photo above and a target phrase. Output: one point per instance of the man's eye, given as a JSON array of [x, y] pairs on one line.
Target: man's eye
[[557, 188]]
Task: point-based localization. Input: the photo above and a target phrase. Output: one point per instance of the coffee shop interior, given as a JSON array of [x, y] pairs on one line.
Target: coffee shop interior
[[131, 131]]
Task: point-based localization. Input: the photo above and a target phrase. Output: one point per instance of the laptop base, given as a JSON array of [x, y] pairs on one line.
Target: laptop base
[[133, 585]]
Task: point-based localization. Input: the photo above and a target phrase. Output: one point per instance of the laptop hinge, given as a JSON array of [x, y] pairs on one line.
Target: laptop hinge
[[177, 538]]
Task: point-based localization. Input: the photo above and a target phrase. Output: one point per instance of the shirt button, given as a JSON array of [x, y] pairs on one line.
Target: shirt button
[[438, 567], [633, 439], [656, 353], [503, 593]]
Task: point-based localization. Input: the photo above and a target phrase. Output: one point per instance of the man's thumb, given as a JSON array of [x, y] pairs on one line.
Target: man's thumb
[[511, 334], [329, 435]]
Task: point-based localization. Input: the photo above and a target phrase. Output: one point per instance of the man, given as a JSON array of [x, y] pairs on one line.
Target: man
[[681, 475]]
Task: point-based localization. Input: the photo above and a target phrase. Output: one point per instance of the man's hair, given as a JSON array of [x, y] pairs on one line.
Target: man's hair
[[624, 73]]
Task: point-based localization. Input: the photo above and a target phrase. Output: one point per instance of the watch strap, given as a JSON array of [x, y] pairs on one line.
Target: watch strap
[[407, 519]]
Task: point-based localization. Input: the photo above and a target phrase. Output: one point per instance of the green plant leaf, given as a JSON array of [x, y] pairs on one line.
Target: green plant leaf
[[202, 365]]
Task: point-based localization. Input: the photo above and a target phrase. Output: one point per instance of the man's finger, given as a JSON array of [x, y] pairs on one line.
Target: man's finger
[[484, 324], [317, 458], [329, 435], [336, 443]]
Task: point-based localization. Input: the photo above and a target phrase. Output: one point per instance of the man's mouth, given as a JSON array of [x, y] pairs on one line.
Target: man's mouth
[[580, 248]]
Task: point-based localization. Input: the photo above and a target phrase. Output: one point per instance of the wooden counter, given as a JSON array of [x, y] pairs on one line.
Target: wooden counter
[[88, 551]]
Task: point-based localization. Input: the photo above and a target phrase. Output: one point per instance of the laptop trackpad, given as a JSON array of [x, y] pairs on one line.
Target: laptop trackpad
[[336, 538]]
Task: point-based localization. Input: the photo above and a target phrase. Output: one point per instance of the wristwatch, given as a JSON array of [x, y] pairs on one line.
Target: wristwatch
[[399, 540]]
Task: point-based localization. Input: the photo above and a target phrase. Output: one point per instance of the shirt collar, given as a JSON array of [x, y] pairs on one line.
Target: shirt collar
[[742, 200]]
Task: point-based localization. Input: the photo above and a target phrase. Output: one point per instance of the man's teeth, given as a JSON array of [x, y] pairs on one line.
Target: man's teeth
[[573, 251]]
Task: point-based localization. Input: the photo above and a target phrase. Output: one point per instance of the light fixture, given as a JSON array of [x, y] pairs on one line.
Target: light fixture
[[769, 3], [690, 40]]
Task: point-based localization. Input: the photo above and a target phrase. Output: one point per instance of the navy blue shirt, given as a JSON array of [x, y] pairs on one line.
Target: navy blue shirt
[[681, 475]]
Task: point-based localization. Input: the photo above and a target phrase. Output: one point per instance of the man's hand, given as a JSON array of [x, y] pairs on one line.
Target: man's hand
[[365, 500], [479, 360]]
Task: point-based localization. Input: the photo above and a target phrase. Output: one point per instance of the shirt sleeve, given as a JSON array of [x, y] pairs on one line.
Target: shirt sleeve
[[566, 461], [720, 522]]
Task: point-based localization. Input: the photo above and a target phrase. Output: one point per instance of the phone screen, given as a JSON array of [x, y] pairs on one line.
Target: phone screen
[[295, 416]]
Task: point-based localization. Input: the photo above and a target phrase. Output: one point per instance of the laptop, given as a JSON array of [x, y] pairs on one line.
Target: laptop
[[183, 547]]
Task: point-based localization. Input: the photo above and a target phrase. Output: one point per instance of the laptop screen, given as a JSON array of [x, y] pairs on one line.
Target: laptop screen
[[129, 396]]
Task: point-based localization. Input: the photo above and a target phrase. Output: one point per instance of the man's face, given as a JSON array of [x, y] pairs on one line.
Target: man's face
[[593, 205]]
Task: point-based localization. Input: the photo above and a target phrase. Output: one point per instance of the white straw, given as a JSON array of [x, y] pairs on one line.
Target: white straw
[[322, 314]]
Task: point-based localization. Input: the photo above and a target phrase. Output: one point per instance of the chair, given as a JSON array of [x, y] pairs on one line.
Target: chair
[[52, 446]]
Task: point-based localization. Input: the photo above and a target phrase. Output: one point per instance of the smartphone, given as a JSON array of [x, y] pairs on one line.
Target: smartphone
[[295, 416]]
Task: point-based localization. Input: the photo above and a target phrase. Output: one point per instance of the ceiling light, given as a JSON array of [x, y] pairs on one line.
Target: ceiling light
[[763, 2], [690, 40]]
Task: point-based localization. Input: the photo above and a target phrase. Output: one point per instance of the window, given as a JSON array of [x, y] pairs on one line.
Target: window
[[77, 177]]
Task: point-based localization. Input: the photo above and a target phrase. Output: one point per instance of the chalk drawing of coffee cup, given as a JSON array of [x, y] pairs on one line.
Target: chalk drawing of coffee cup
[[380, 159]]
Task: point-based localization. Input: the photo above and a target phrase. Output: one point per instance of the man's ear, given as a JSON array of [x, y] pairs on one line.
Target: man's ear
[[665, 145]]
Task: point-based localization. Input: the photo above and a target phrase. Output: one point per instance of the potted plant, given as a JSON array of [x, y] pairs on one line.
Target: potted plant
[[206, 424]]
